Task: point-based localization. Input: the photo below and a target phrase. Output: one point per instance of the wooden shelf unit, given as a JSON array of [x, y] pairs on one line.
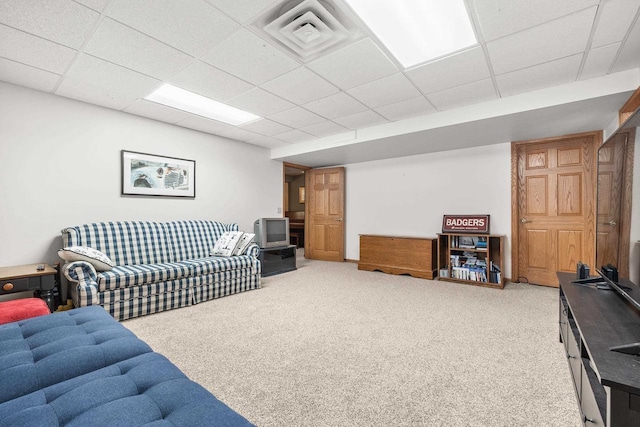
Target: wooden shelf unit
[[415, 256], [491, 256]]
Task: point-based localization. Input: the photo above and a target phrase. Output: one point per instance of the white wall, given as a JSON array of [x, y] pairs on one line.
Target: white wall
[[407, 196], [61, 167]]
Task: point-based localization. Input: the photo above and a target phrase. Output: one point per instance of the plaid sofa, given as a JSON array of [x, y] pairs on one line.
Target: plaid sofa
[[158, 266]]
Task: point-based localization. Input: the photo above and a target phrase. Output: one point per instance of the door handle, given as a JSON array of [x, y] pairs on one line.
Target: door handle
[[612, 223], [339, 219], [524, 220]]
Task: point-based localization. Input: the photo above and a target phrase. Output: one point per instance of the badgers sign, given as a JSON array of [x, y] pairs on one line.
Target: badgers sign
[[465, 224]]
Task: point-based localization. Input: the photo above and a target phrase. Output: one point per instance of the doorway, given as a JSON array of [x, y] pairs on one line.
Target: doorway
[[313, 200], [294, 200]]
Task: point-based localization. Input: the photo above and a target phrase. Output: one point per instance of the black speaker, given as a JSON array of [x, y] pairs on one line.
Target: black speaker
[[611, 272], [582, 271]]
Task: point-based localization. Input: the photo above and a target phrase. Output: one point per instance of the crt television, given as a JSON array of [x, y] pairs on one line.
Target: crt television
[[271, 232]]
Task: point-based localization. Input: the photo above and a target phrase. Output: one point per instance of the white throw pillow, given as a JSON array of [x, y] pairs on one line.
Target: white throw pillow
[[100, 261], [243, 243], [227, 243]]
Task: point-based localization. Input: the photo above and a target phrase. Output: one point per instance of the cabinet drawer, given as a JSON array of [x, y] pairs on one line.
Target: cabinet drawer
[[14, 285], [591, 415]]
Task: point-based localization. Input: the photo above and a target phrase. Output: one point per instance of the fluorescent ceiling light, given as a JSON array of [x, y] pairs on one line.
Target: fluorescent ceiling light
[[416, 31], [190, 102]]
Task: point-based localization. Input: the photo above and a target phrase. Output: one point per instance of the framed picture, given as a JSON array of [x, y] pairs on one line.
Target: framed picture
[[151, 175]]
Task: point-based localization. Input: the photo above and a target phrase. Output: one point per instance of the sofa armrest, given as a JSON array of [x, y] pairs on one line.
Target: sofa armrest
[[83, 275], [252, 250]]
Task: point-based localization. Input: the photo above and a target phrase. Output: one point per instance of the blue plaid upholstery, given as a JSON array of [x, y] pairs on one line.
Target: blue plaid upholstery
[[158, 266], [215, 264], [125, 242], [224, 283], [133, 275], [195, 239]]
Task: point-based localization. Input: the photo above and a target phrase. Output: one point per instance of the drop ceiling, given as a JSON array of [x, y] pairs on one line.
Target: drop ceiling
[[541, 68]]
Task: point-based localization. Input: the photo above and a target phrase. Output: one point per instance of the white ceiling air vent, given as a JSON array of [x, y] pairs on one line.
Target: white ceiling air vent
[[308, 28]]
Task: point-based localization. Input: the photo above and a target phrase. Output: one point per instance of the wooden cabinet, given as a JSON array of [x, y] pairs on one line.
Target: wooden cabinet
[[471, 258], [414, 256]]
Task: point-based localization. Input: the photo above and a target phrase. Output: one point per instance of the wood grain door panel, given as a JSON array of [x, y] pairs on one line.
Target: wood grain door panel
[[325, 223], [610, 188], [555, 206]]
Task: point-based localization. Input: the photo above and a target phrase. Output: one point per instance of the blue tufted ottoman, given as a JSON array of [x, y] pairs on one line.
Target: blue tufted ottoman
[[83, 368]]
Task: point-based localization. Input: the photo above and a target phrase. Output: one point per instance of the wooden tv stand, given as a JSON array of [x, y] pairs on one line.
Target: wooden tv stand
[[607, 383], [415, 256]]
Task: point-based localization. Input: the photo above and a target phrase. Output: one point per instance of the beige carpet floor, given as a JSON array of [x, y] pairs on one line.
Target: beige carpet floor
[[328, 345]]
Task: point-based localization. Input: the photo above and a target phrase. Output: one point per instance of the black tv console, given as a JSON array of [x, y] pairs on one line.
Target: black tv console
[[607, 383], [277, 260]]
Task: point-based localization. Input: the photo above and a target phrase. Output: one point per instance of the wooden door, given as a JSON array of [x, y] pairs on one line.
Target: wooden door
[[555, 212], [611, 172], [324, 234]]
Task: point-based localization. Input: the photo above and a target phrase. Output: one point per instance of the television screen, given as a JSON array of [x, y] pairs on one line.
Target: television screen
[[276, 230]]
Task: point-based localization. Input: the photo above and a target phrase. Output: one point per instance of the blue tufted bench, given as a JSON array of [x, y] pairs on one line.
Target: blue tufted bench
[[81, 368]]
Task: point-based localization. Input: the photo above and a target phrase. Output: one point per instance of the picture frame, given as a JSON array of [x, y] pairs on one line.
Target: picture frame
[[146, 174], [301, 195]]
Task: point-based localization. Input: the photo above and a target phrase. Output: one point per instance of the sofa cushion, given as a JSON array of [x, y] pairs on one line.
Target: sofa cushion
[[208, 265], [133, 275], [124, 242], [43, 351], [195, 238], [146, 389]]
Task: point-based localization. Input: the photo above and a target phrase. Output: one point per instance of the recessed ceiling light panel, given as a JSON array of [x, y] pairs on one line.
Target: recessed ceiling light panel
[[416, 31], [181, 99]]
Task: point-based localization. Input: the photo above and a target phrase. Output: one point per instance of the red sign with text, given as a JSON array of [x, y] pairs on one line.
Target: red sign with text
[[465, 224]]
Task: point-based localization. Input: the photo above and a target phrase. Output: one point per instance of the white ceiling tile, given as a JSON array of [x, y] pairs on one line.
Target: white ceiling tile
[[61, 21], [404, 109], [337, 105], [209, 81], [266, 127], [471, 93], [629, 56], [300, 86], [260, 102], [23, 75], [123, 46], [499, 18], [268, 142], [323, 129], [294, 136], [385, 91], [361, 120], [203, 124], [247, 56], [357, 64], [615, 18], [599, 60], [100, 82], [35, 51], [191, 26], [549, 74], [97, 5], [547, 42], [464, 67], [296, 117], [156, 111], [242, 10]]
